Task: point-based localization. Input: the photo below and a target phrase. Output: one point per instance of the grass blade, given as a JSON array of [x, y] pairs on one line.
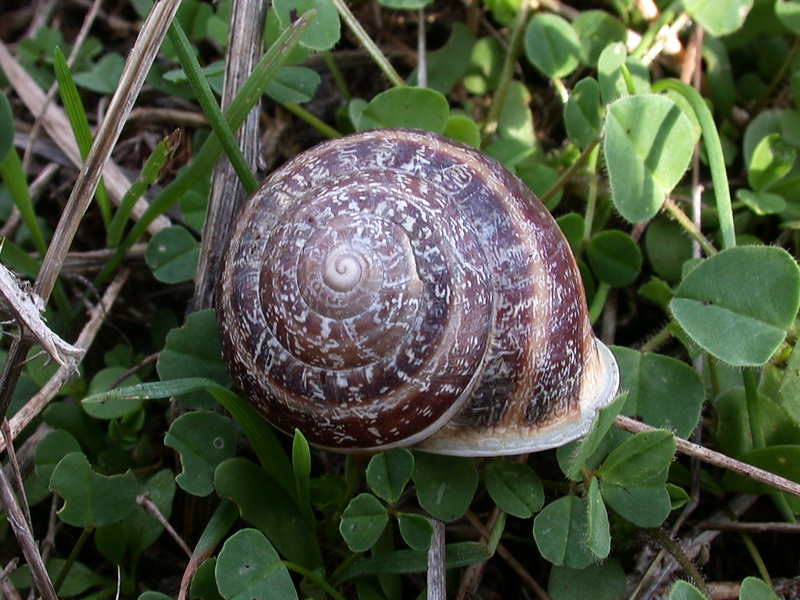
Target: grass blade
[[79, 123], [204, 160]]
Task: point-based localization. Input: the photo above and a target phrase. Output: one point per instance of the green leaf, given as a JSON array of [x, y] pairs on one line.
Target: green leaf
[[263, 503], [363, 522], [761, 203], [203, 439], [463, 129], [540, 177], [738, 304], [683, 590], [614, 257], [80, 578], [407, 108], [514, 487], [789, 391], [598, 539], [248, 567], [172, 255], [456, 555], [101, 382], [639, 459], [572, 226], [582, 112], [718, 19], [262, 439], [6, 126], [552, 45], [755, 589], [50, 450], [632, 478], [667, 247], [560, 530], [323, 33], [416, 530], [447, 65], [91, 499], [389, 472], [104, 76], [648, 145], [789, 14], [596, 29], [580, 451], [486, 64], [772, 159], [445, 484], [719, 75], [665, 392], [301, 465], [193, 351], [780, 460], [642, 505], [609, 73], [605, 581], [293, 84], [142, 525], [515, 124], [204, 583]]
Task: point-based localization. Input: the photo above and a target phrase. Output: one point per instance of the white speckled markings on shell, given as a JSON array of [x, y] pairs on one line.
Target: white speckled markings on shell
[[392, 287]]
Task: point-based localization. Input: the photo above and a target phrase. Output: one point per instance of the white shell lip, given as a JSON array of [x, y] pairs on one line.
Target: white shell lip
[[545, 438]]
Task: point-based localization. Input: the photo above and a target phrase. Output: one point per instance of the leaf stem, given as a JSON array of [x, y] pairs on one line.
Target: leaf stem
[[716, 160], [313, 577], [567, 175], [312, 120], [73, 556], [370, 46], [753, 408], [675, 211], [599, 301], [679, 555], [756, 556], [591, 196], [336, 75], [656, 340]]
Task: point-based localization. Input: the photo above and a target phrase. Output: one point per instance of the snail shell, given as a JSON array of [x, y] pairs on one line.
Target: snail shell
[[394, 288]]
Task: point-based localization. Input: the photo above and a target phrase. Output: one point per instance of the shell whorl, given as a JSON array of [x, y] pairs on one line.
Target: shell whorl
[[392, 287]]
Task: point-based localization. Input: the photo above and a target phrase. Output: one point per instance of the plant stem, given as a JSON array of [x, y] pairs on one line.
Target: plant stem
[[756, 556], [684, 221], [655, 341], [753, 408], [591, 196], [73, 556], [679, 555], [506, 75], [716, 160], [370, 46], [567, 175], [598, 302], [336, 75], [316, 123], [315, 578]]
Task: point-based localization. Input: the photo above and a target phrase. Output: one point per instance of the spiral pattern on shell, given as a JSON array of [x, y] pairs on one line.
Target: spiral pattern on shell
[[393, 287]]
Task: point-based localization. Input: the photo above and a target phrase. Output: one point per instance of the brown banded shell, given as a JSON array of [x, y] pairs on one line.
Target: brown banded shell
[[394, 288]]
